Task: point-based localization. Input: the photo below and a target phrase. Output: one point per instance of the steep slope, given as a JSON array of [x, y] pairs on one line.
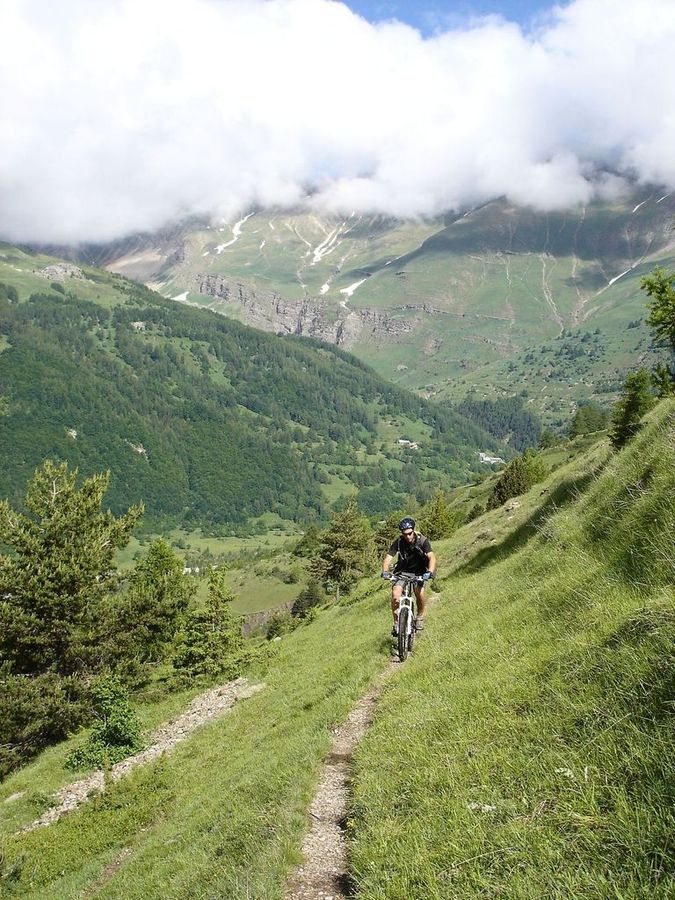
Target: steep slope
[[525, 750], [473, 300], [542, 728], [206, 420]]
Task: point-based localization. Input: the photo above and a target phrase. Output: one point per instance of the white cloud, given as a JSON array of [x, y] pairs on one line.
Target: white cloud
[[119, 116]]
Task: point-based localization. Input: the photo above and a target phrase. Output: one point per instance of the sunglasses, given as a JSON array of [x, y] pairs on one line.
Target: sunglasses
[[408, 533]]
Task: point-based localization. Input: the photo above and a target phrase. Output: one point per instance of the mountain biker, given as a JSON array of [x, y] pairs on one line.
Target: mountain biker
[[414, 555]]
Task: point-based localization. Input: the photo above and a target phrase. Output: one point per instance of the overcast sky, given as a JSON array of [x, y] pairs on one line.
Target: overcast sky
[[122, 115]]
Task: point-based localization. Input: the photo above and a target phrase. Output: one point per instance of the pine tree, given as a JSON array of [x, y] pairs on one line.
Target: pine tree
[[588, 418], [660, 286], [437, 520], [307, 599], [150, 613], [346, 549], [636, 400], [518, 477], [212, 642], [59, 573], [548, 438], [386, 531]]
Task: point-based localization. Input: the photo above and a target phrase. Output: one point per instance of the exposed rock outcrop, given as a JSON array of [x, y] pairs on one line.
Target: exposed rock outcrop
[[270, 311], [61, 271]]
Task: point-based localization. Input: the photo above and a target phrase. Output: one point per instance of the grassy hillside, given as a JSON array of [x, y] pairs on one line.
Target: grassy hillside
[[525, 750], [541, 727], [206, 420], [473, 301]]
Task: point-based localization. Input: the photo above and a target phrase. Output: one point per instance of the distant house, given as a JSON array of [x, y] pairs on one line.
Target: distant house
[[410, 445], [138, 326], [490, 460]]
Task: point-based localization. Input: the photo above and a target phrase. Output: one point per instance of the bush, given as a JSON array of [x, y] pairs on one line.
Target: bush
[[116, 733], [517, 478]]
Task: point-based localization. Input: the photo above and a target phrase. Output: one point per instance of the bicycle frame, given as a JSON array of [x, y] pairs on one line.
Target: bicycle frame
[[407, 612]]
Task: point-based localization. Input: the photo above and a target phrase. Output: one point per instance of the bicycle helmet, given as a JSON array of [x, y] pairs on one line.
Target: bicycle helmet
[[406, 523]]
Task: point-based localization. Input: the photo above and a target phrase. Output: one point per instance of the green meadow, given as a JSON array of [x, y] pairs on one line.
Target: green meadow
[[525, 750]]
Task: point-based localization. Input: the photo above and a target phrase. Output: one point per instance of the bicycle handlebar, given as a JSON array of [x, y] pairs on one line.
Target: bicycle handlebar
[[407, 576]]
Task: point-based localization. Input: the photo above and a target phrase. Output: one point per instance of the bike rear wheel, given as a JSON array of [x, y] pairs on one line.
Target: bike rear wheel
[[403, 636]]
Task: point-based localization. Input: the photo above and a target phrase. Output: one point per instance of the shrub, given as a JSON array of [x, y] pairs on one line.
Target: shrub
[[517, 478], [116, 733]]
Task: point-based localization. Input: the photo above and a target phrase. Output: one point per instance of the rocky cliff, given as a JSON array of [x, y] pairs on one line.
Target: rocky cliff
[[270, 311]]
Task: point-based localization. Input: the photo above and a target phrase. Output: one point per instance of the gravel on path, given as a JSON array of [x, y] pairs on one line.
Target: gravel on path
[[212, 703]]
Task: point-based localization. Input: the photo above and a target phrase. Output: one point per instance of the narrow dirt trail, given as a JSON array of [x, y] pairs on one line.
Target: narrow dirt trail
[[323, 874]]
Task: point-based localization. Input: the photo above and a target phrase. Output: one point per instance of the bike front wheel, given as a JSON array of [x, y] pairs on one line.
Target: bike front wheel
[[403, 633]]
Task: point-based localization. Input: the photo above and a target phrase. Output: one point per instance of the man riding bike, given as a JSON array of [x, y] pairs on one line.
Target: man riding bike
[[416, 556]]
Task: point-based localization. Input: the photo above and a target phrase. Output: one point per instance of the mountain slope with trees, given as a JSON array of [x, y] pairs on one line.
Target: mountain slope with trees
[[541, 725], [202, 418], [491, 300]]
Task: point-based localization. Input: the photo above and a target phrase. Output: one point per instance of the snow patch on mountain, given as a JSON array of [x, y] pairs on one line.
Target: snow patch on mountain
[[236, 232]]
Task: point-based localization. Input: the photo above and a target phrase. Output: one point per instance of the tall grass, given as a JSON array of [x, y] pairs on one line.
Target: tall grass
[[223, 815], [527, 750]]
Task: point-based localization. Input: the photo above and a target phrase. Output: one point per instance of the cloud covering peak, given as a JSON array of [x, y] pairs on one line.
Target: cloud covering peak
[[119, 116]]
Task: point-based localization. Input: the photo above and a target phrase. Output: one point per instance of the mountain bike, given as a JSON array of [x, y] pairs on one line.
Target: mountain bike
[[407, 613]]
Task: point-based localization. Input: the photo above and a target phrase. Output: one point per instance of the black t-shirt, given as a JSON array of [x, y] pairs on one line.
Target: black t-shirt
[[411, 557]]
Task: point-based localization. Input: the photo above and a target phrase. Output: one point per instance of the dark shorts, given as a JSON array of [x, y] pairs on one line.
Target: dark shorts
[[396, 580]]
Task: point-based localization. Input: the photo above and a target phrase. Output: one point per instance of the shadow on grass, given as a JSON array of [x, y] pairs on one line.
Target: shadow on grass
[[564, 493]]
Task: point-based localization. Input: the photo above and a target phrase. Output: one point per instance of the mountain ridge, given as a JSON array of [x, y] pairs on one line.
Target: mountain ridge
[[465, 295]]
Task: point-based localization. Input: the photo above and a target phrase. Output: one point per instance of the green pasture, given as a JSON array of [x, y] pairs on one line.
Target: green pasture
[[525, 750]]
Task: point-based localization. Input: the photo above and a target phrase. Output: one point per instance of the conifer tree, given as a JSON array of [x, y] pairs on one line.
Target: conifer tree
[[346, 549], [152, 609], [386, 531], [307, 599], [60, 570], [518, 477], [660, 286], [636, 400], [588, 418], [212, 641], [437, 520]]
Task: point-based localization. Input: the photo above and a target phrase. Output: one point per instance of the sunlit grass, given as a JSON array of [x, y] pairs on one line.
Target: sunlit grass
[[525, 750]]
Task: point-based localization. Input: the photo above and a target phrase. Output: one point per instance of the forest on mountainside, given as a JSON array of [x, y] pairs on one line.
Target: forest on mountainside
[[204, 419]]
